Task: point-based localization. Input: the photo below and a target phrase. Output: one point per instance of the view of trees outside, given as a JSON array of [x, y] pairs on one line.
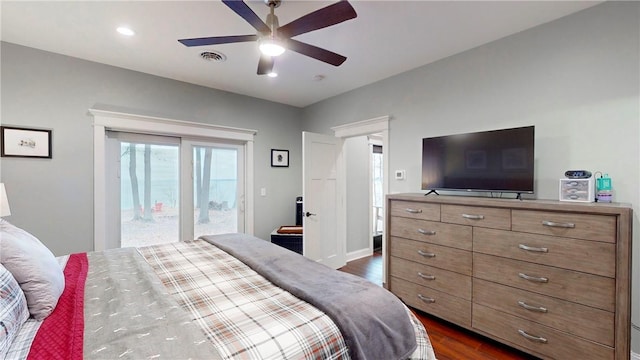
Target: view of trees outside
[[217, 167], [150, 193]]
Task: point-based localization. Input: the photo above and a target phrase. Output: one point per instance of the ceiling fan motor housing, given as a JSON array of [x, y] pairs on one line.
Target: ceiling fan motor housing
[[273, 3]]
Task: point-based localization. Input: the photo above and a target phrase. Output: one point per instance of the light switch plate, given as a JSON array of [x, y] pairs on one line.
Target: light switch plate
[[399, 174]]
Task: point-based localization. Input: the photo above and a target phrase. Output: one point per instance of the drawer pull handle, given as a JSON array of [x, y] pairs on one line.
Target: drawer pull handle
[[533, 278], [427, 277], [560, 225], [426, 232], [473, 217], [426, 254], [532, 308], [413, 211], [533, 249], [426, 299], [538, 339]]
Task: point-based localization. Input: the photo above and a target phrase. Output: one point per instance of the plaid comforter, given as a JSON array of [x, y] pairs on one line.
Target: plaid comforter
[[243, 314]]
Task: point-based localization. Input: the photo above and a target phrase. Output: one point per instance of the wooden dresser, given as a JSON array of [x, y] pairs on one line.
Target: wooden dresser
[[547, 277]]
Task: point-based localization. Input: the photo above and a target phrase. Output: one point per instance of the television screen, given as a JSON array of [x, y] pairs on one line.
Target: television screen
[[496, 161]]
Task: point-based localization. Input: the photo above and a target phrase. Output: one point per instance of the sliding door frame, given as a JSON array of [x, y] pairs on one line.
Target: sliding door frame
[[117, 121]]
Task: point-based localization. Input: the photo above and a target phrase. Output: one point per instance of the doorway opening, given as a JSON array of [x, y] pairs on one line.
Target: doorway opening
[[376, 131], [377, 197]]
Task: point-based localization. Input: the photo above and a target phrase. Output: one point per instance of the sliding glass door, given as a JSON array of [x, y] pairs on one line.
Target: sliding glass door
[[166, 189]]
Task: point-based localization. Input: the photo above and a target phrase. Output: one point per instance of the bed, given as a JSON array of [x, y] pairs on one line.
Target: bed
[[229, 296]]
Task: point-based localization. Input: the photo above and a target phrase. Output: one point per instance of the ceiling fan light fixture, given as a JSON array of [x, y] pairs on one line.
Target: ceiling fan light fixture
[[271, 47]]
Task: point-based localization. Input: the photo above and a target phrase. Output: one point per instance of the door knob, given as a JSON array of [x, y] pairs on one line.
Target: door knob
[[307, 214]]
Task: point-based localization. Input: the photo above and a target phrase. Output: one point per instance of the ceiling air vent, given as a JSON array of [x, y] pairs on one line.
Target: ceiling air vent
[[213, 56]]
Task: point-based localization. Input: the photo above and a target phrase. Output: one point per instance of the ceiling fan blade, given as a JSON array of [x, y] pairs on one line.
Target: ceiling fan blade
[[218, 40], [242, 9], [327, 16], [265, 65], [315, 52]]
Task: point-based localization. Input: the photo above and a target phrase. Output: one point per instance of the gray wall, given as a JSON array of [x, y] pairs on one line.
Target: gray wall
[[53, 199], [576, 79]]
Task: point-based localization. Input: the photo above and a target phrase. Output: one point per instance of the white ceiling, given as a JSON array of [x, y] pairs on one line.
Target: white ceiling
[[387, 38]]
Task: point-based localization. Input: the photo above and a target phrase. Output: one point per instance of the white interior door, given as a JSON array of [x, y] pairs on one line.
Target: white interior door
[[323, 238]]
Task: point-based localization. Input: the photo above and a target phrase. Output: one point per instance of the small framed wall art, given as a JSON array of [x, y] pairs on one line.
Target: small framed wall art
[[279, 158], [23, 142]]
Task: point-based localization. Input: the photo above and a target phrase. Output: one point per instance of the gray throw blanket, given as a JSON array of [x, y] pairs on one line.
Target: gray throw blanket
[[373, 322]]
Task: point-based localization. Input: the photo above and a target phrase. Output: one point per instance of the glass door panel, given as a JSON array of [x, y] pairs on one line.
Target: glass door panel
[[217, 190], [149, 189]]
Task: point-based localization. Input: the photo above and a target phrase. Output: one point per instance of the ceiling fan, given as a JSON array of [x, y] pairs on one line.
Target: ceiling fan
[[274, 39]]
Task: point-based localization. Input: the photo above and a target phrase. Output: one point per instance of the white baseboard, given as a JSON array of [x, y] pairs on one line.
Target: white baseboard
[[358, 254], [635, 356]]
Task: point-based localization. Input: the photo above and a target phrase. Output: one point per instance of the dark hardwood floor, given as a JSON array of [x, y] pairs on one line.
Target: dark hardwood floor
[[450, 342]]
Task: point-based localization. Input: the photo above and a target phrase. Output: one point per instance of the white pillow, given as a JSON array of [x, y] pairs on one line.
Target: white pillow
[[13, 310], [33, 266]]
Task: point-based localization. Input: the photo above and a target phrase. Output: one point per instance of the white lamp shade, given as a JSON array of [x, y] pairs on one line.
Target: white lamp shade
[[4, 202]]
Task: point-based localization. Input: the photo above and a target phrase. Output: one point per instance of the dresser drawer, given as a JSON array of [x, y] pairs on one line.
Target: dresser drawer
[[442, 257], [457, 236], [572, 225], [556, 344], [581, 255], [580, 320], [446, 281], [432, 301], [415, 210], [587, 289], [477, 216]]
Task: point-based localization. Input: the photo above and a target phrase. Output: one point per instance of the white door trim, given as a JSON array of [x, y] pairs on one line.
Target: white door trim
[[364, 127], [378, 125], [109, 120]]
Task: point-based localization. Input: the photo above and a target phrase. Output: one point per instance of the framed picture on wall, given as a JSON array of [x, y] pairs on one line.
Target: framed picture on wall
[[279, 158], [23, 142]]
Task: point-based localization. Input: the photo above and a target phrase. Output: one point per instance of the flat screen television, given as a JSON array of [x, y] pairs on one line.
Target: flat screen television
[[487, 161]]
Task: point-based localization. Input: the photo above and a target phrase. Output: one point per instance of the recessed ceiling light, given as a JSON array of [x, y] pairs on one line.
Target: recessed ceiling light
[[125, 31], [272, 74]]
